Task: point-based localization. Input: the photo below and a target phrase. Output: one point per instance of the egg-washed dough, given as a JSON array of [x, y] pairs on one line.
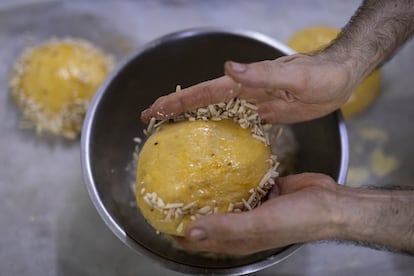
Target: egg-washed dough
[[54, 82], [204, 166], [315, 38]]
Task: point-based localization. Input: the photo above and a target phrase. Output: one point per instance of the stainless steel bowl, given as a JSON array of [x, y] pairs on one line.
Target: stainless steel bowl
[[185, 58]]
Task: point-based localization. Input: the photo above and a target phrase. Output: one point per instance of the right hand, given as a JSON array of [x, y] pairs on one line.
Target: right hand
[[300, 208], [286, 90]]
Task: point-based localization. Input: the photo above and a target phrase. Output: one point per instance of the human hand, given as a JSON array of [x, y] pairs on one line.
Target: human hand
[[286, 90], [300, 208]]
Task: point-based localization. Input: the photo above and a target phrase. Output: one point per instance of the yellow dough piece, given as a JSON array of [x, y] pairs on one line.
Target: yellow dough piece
[[312, 39], [315, 38], [54, 82], [194, 168]]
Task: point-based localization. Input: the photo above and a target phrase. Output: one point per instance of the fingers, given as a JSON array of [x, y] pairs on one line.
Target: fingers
[[274, 192], [218, 90]]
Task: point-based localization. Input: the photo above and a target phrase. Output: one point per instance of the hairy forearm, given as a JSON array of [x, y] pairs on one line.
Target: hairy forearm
[[373, 35], [376, 217]]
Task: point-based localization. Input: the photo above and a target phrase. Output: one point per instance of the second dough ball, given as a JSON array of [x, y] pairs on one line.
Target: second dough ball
[[54, 82]]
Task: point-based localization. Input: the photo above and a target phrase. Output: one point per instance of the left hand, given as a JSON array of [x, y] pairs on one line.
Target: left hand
[[300, 208], [289, 89]]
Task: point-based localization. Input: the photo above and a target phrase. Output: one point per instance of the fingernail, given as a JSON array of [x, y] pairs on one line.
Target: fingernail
[[197, 234], [238, 67]]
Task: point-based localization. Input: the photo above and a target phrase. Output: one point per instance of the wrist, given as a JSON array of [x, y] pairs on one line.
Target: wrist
[[340, 220], [348, 64], [358, 213], [329, 223], [337, 220]]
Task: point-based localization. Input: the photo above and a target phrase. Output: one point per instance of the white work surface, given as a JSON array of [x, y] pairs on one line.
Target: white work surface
[[48, 225]]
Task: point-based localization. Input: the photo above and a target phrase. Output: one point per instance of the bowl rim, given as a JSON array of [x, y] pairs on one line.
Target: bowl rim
[[90, 182]]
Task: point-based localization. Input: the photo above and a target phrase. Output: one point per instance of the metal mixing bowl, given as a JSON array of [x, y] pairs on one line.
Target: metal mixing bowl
[[184, 58]]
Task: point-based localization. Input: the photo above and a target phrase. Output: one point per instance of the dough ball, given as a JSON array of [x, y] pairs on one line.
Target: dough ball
[[54, 82], [195, 168]]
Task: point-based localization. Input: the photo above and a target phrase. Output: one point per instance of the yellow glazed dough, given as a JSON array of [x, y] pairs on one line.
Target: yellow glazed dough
[[315, 38], [311, 39], [54, 82], [202, 164]]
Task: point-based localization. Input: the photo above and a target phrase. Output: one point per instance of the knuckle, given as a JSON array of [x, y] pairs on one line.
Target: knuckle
[[303, 77], [159, 102], [206, 92], [267, 66]]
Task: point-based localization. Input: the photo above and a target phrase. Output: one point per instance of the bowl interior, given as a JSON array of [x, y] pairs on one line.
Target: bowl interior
[[186, 59]]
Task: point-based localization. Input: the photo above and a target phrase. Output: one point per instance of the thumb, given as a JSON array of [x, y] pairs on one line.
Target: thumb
[[225, 233], [270, 74], [236, 234], [217, 227]]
